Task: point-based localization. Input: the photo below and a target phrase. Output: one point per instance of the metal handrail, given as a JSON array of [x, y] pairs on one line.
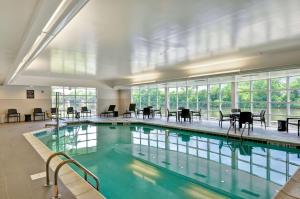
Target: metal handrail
[[56, 192], [48, 164], [69, 160]]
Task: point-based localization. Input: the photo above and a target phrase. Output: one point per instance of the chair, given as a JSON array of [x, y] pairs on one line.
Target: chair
[[70, 111], [185, 114], [110, 110], [139, 111], [13, 113], [84, 110], [54, 113], [146, 112], [171, 114], [196, 113], [38, 112], [246, 118], [235, 110], [224, 118], [291, 121], [157, 111], [260, 117], [130, 110]]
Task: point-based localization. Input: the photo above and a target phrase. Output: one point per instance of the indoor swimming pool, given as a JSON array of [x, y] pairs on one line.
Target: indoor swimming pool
[[145, 161]]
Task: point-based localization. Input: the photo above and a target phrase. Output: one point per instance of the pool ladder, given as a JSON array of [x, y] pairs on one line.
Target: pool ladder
[[69, 160], [232, 124]]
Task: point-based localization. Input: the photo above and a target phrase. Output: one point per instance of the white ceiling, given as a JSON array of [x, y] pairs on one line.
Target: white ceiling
[[15, 17], [140, 40]]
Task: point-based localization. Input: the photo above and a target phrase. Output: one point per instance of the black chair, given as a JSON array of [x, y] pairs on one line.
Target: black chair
[[146, 112], [54, 113], [38, 112], [13, 113], [84, 110], [110, 111], [70, 111], [196, 113], [293, 121], [131, 109], [157, 111], [224, 118], [139, 112], [171, 114], [260, 117], [246, 118], [185, 114]]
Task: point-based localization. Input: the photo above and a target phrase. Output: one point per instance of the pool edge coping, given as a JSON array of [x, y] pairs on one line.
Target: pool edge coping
[[80, 188]]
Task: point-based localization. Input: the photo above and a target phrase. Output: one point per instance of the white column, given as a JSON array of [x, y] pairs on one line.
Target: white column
[[269, 112]]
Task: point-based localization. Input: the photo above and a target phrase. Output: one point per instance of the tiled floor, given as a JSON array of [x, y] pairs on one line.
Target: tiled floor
[[18, 160], [211, 126]]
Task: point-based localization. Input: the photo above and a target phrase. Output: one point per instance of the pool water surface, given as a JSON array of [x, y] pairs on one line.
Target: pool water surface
[[143, 161]]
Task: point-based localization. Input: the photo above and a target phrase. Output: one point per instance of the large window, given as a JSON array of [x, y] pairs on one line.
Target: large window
[[276, 92], [75, 97]]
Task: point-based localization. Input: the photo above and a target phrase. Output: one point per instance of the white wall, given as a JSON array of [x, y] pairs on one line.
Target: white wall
[[15, 97]]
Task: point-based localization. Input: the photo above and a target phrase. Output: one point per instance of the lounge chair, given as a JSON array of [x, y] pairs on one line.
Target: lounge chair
[[70, 111], [130, 110], [84, 110], [110, 111], [38, 112], [13, 113]]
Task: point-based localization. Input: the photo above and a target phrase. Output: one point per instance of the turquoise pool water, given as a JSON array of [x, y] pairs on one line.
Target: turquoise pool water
[[142, 161]]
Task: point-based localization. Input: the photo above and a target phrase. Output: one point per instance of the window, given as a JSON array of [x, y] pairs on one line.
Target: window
[[278, 99], [75, 97], [276, 92]]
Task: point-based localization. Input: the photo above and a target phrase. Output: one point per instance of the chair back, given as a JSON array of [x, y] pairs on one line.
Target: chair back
[[221, 114], [185, 113], [245, 117], [132, 107], [111, 108], [180, 108], [235, 110], [37, 110], [53, 110], [262, 114], [146, 111], [84, 109], [12, 111], [70, 110]]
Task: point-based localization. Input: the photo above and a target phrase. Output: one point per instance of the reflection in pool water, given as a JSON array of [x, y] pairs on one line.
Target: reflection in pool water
[[147, 161]]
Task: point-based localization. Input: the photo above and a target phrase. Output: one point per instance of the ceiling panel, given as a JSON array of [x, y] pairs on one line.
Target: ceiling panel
[[114, 40], [15, 17]]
